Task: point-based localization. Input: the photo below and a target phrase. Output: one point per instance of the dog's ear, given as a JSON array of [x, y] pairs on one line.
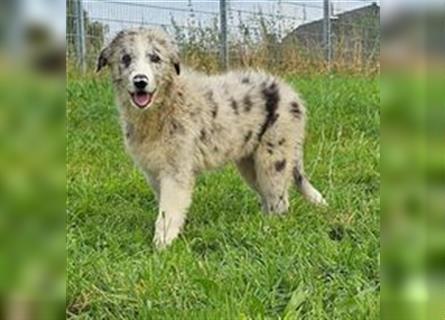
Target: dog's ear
[[175, 57], [103, 59]]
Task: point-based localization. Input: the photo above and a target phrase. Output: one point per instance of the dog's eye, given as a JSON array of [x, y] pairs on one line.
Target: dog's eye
[[154, 58], [126, 60]]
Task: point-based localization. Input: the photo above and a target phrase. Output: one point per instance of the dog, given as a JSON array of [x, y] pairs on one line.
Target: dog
[[178, 123]]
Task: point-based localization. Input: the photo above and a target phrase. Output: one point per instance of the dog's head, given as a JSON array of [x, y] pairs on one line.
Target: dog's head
[[143, 62]]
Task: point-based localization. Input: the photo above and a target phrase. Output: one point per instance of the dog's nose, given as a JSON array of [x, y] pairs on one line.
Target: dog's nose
[[140, 81]]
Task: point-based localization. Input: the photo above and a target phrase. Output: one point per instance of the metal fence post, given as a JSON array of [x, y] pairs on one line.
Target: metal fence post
[[80, 34], [327, 32], [224, 54]]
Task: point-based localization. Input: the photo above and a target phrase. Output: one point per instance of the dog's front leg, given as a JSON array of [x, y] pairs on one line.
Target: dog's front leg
[[153, 181], [174, 200]]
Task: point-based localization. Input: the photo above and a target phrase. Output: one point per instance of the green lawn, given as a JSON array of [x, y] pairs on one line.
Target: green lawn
[[231, 261]]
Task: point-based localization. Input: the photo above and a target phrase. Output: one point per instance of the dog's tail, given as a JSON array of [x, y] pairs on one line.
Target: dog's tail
[[303, 185]]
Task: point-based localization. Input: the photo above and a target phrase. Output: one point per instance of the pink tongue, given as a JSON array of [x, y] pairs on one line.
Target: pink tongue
[[141, 99]]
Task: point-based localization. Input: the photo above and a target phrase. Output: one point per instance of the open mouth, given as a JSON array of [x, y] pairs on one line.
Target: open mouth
[[141, 99]]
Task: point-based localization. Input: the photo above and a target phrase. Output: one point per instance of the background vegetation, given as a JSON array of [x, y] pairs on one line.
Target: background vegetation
[[253, 41]]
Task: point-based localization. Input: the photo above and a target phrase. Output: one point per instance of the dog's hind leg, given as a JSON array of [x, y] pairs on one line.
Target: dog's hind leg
[[246, 167], [303, 185]]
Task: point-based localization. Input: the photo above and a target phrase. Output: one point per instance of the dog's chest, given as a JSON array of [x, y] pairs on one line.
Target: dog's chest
[[143, 145]]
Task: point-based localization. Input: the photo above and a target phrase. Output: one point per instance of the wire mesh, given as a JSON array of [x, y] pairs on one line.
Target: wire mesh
[[277, 35]]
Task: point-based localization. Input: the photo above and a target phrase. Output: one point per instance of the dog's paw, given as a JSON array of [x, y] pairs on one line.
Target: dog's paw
[[316, 198], [165, 234]]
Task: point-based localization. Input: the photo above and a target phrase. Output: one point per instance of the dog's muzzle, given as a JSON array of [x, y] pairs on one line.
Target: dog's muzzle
[[141, 97]]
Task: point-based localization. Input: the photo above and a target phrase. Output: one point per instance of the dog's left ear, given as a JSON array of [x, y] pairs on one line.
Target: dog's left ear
[[173, 49], [175, 58]]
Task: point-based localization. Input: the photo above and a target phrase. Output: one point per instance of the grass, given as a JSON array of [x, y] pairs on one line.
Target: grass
[[231, 261]]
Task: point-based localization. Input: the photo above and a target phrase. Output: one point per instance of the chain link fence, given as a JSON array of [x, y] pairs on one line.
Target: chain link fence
[[281, 36]]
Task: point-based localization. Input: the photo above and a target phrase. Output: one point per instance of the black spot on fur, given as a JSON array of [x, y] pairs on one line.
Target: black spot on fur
[[234, 106], [177, 68], [129, 128], [280, 165], [269, 144], [173, 128], [281, 198], [295, 109], [202, 135], [213, 104], [273, 119], [215, 148], [297, 176], [248, 136], [271, 97], [247, 103], [245, 80], [270, 151], [176, 127], [281, 142]]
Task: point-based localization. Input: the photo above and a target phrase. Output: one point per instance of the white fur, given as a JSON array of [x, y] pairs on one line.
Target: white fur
[[198, 122]]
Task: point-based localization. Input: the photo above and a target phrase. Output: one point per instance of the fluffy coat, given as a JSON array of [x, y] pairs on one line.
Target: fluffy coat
[[197, 122]]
